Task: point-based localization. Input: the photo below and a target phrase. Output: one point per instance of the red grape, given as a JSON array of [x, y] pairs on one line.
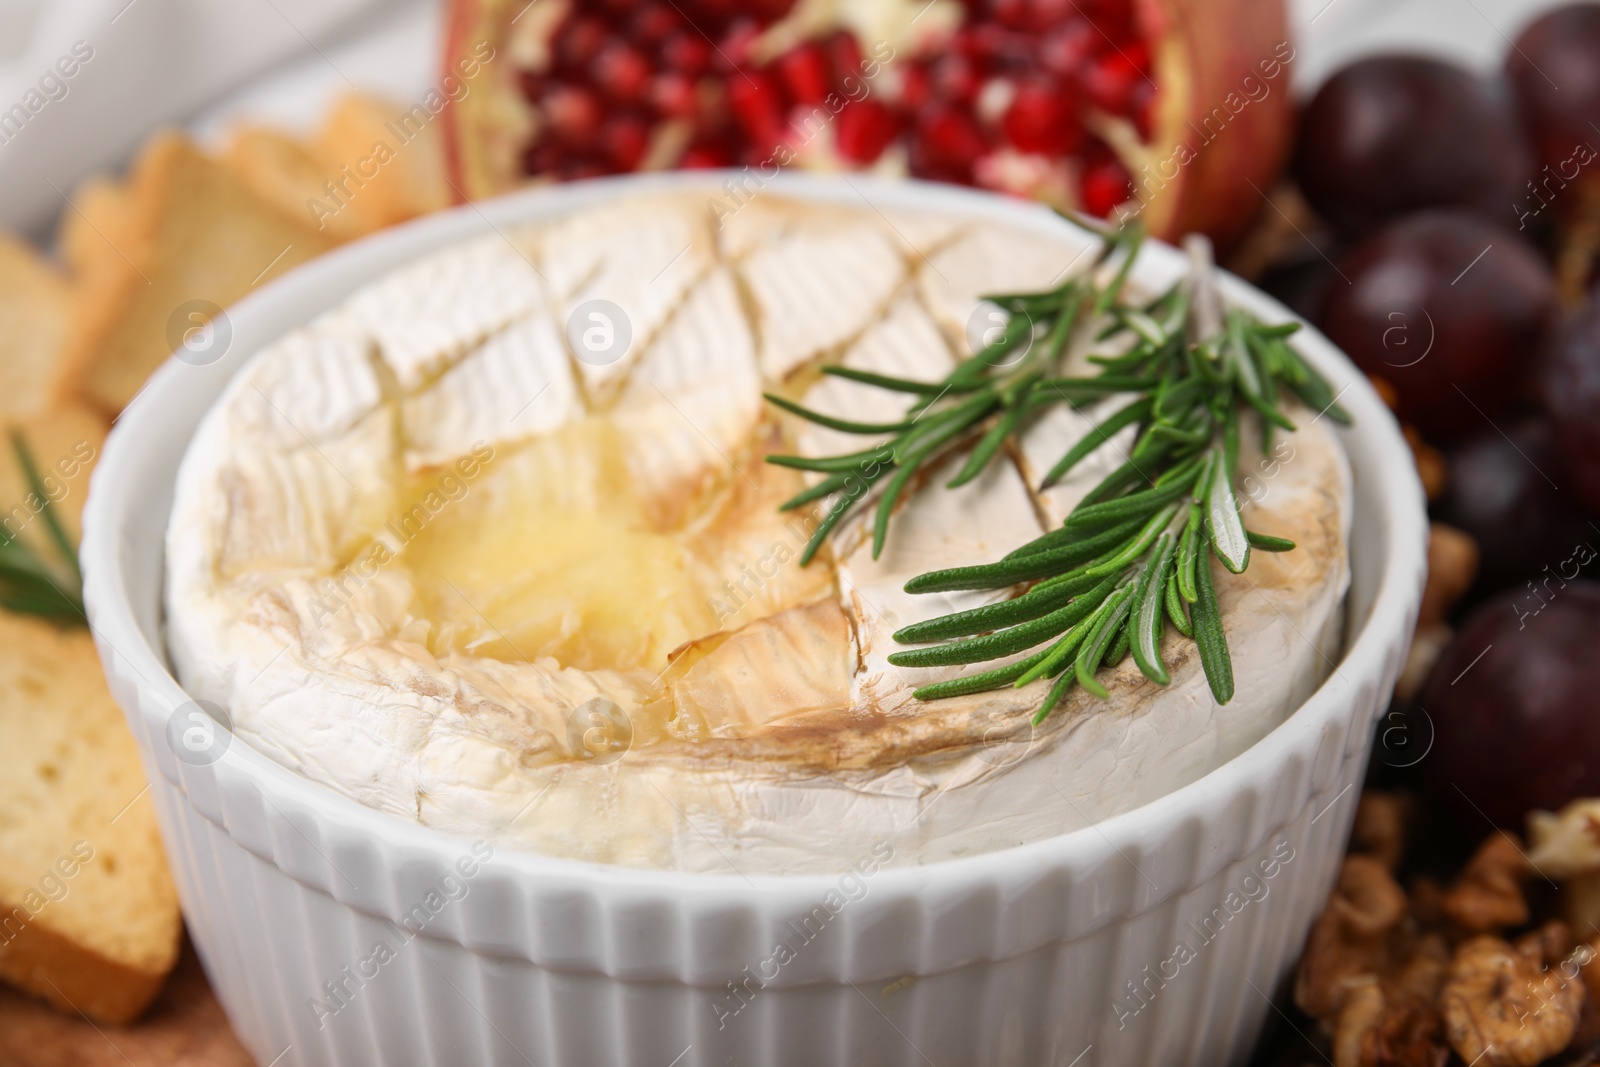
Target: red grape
[[1510, 491], [1571, 386], [1448, 309], [1554, 70], [1392, 134], [1512, 704]]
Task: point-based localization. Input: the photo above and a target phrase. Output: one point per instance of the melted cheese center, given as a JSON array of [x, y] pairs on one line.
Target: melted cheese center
[[558, 551]]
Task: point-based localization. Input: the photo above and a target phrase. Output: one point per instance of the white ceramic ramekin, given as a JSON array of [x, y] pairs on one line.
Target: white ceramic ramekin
[[338, 935]]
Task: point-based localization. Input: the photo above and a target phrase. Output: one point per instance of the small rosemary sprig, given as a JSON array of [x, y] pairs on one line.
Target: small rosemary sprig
[[29, 583], [1133, 556]]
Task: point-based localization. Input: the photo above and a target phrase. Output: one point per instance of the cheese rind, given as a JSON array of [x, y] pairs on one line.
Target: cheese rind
[[464, 578]]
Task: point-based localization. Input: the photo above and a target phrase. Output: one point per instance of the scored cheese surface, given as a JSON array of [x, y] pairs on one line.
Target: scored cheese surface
[[426, 555]]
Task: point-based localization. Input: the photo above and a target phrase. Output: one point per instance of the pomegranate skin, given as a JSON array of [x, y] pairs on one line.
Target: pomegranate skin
[[1232, 54], [1517, 729]]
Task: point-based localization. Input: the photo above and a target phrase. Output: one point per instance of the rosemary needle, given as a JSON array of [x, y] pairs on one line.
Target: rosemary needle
[[1135, 554], [30, 583]]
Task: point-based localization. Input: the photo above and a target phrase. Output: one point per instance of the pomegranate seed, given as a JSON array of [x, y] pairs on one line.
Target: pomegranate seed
[[734, 52], [573, 114], [701, 12], [703, 155], [687, 53], [714, 15], [768, 11], [1039, 120], [1095, 151], [543, 158], [1046, 15], [758, 106], [915, 88], [621, 72], [624, 141], [1012, 14], [1109, 82], [844, 56], [922, 167], [619, 7], [714, 115], [949, 139], [1137, 55], [965, 41], [672, 95], [654, 24], [533, 85], [1067, 49], [865, 128], [999, 49], [577, 169], [804, 70], [579, 42], [1116, 21], [954, 79], [1105, 185]]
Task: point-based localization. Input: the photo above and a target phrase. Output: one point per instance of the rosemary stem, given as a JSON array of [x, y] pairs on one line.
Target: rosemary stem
[[1134, 554]]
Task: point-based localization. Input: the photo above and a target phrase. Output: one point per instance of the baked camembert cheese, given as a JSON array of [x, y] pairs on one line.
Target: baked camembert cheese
[[447, 553]]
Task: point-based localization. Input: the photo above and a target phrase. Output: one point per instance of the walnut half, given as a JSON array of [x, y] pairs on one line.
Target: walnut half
[[1380, 827], [1488, 896], [1350, 940], [1502, 1008]]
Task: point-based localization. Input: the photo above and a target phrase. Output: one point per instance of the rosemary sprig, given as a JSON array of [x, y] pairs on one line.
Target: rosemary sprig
[[1134, 555], [30, 583]]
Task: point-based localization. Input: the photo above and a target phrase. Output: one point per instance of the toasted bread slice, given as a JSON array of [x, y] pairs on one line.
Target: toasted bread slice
[[95, 228], [284, 172], [190, 230], [371, 165], [88, 913], [33, 326], [391, 160]]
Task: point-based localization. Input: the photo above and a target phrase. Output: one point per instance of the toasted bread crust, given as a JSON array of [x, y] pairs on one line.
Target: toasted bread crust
[[76, 978], [34, 317]]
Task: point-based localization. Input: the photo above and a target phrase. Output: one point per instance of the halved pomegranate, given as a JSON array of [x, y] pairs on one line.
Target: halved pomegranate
[[1089, 104]]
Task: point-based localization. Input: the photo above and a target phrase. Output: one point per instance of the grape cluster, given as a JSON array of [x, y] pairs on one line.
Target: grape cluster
[[1459, 227]]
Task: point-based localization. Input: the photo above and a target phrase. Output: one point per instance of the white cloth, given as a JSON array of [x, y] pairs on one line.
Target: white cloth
[[134, 67]]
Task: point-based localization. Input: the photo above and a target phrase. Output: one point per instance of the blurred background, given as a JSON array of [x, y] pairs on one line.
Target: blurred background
[[1417, 178], [196, 64], [204, 66]]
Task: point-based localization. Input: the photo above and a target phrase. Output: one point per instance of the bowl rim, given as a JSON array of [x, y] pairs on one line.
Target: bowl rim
[[126, 463]]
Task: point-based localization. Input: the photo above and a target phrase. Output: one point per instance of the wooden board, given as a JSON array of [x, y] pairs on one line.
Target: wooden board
[[184, 1028]]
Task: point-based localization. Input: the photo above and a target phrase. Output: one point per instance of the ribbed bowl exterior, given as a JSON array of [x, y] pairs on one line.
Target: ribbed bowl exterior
[[335, 935]]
